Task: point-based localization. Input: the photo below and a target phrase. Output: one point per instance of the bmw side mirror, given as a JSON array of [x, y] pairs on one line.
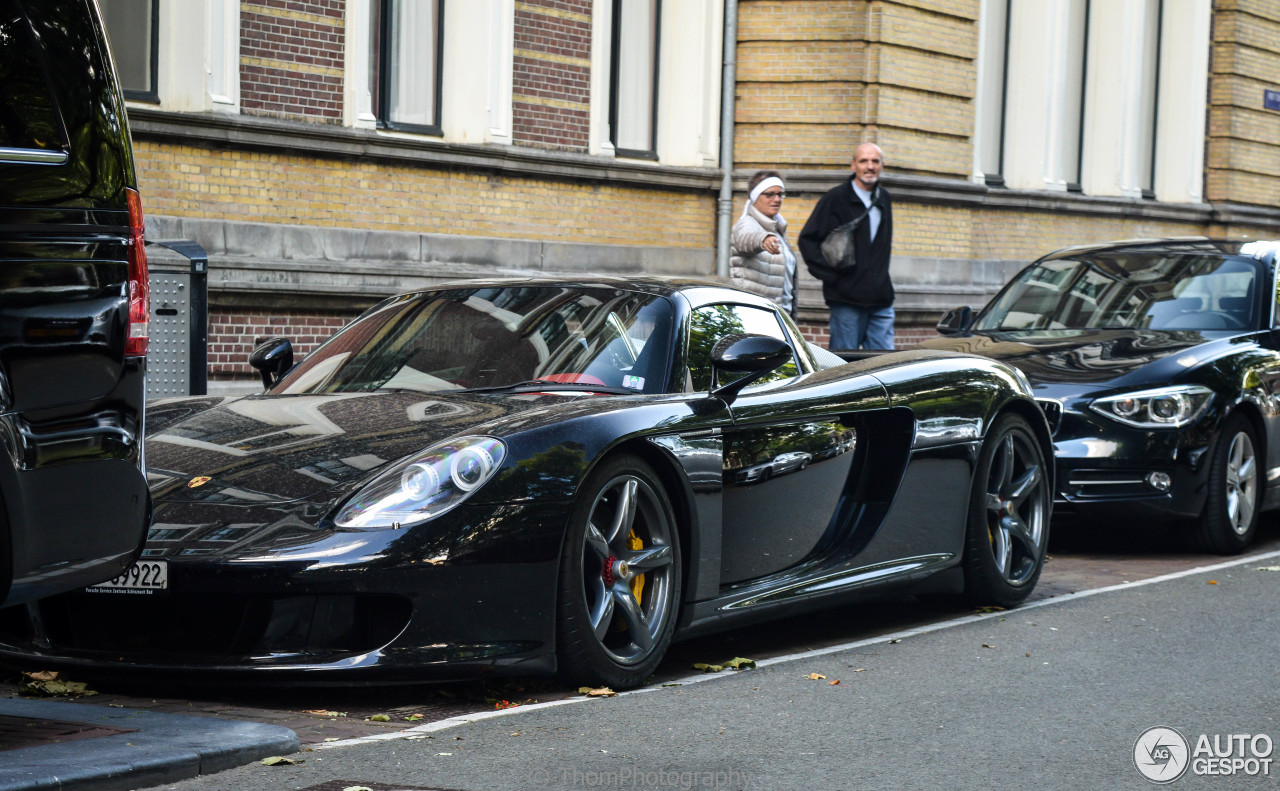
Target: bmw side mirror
[[271, 359], [754, 356], [956, 321]]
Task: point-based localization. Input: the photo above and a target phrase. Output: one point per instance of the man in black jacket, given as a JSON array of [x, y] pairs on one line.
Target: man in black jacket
[[861, 297]]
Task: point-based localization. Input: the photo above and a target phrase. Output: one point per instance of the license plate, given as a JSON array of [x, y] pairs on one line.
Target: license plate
[[144, 576]]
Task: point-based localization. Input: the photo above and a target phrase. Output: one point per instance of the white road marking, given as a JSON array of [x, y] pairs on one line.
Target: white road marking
[[453, 722]]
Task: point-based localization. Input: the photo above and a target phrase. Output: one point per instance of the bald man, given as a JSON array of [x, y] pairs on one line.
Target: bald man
[[861, 297]]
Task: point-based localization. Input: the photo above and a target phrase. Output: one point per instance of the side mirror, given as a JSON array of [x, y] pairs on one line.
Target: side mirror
[[271, 359], [753, 355], [956, 321]]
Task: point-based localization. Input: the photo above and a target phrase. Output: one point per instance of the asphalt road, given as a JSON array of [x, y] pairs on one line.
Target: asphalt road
[[1053, 695]]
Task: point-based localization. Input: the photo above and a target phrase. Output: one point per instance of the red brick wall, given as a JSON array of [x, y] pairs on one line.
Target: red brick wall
[[552, 82], [904, 335], [233, 334], [291, 59]]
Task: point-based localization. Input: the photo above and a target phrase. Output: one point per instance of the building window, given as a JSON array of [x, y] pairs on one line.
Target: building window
[[992, 84], [405, 68], [1073, 95], [1153, 16], [633, 77], [134, 29]]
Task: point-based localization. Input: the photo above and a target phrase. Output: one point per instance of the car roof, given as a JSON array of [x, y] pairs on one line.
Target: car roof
[[696, 291], [1263, 251]]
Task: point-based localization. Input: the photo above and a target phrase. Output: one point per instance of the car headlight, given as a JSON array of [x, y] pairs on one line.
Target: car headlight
[[1164, 407], [428, 485]]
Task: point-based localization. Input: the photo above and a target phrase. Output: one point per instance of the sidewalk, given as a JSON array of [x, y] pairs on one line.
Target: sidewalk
[[51, 745]]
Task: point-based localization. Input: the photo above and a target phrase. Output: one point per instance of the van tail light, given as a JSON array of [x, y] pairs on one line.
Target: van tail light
[[139, 325]]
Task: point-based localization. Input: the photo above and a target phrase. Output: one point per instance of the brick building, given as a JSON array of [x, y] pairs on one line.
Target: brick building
[[330, 152]]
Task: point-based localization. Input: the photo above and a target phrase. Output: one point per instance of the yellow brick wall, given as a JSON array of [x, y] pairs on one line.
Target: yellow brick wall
[[929, 231], [1243, 153], [188, 181], [815, 77]]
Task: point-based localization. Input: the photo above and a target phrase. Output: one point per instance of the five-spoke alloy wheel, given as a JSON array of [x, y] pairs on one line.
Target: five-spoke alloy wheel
[[619, 578], [1231, 506], [1008, 526]]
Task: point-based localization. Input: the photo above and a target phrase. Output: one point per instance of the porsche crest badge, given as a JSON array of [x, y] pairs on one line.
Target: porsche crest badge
[[199, 480]]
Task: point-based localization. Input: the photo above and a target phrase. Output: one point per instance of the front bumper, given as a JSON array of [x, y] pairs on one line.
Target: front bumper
[[471, 595], [1105, 469]]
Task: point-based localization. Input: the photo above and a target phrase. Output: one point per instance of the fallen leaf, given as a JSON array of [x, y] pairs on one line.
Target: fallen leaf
[[1213, 582], [673, 684], [859, 670], [816, 676], [279, 760], [987, 645], [357, 788], [379, 718], [332, 739], [833, 683], [990, 608], [324, 713], [414, 717], [894, 640], [42, 675], [741, 663], [1028, 653], [707, 668], [598, 692]]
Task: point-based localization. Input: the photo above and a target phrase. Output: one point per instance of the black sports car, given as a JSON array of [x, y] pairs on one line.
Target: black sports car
[[1158, 364], [539, 476]]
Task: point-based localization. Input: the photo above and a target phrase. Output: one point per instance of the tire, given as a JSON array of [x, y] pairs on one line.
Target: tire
[[619, 578], [1008, 523], [1230, 519]]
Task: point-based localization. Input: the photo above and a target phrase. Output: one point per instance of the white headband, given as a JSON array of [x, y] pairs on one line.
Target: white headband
[[772, 181]]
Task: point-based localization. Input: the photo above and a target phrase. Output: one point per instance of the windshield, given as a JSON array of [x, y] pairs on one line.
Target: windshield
[[487, 338], [1140, 290]]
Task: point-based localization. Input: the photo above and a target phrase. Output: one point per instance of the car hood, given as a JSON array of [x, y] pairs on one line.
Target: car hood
[[1098, 359], [260, 450]]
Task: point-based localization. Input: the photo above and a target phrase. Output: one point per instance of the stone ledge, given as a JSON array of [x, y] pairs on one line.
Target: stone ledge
[[220, 130]]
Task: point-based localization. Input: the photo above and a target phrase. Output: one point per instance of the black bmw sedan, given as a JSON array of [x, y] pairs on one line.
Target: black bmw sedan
[[1158, 364]]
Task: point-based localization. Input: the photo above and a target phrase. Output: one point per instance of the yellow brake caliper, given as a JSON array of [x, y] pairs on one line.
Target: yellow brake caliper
[[637, 583]]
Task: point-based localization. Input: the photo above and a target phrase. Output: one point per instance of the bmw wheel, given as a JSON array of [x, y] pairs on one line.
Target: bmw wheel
[[1009, 507], [619, 577], [1230, 518]]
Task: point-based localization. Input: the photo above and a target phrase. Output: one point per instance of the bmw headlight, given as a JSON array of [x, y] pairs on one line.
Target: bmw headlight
[[1164, 407], [430, 484]]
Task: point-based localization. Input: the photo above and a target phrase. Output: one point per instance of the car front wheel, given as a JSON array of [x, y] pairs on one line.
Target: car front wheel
[[619, 578], [1230, 518], [1008, 525]]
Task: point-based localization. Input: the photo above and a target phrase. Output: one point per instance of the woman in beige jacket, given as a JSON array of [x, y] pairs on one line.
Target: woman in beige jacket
[[761, 260]]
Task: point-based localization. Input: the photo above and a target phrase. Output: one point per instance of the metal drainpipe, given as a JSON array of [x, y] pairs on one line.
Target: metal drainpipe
[[728, 87]]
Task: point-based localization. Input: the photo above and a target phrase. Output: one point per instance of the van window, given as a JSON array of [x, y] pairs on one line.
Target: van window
[[28, 114]]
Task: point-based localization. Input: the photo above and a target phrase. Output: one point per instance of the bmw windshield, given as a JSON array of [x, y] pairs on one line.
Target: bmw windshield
[[488, 339], [1139, 290]]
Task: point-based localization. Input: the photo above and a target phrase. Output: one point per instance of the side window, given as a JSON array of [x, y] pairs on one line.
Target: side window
[[711, 323], [30, 126]]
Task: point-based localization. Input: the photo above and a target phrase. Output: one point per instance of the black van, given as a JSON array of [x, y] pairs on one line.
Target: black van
[[73, 307]]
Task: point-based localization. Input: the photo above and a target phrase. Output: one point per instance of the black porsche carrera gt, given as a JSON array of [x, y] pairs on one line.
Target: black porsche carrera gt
[[531, 477], [1158, 363]]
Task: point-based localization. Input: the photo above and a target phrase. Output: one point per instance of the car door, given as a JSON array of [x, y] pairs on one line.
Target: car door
[[785, 462]]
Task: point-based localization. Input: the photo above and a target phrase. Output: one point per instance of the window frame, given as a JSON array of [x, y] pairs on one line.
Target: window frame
[[381, 82], [615, 68], [151, 96]]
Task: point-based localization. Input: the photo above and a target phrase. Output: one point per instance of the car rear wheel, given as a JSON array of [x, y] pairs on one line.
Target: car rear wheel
[[1230, 518], [1008, 525], [619, 577]]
